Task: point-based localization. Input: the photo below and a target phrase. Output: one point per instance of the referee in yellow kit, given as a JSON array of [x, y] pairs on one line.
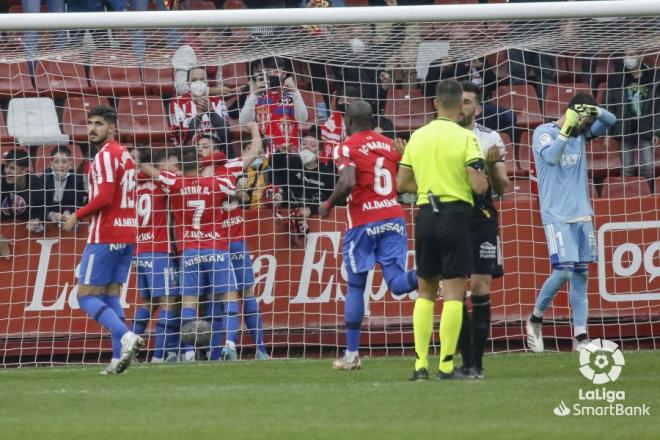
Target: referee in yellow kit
[[443, 164]]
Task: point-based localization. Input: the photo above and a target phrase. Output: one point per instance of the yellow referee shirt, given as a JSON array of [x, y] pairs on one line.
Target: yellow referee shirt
[[438, 154]]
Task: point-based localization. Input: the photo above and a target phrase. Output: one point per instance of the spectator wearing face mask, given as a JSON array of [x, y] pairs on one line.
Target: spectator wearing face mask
[[255, 179], [304, 180], [197, 113], [64, 191], [276, 105], [634, 97]]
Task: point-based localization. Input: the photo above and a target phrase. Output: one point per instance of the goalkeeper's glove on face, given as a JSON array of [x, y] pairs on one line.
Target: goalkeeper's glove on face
[[571, 121], [586, 110]]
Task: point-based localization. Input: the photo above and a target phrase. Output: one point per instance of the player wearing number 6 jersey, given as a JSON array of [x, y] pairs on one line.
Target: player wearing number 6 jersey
[[106, 259], [367, 163], [196, 202], [155, 267]]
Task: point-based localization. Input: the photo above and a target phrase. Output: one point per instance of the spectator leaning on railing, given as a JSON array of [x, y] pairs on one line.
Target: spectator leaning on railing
[[64, 190], [21, 193]]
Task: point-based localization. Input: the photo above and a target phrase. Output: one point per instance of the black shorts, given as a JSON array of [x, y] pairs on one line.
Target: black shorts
[[486, 250], [443, 244]]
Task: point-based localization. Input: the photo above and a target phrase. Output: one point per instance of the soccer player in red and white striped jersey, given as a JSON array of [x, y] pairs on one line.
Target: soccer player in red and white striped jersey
[[107, 257], [233, 224]]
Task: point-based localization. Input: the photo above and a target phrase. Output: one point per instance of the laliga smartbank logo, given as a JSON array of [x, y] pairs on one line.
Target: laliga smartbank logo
[[601, 362]]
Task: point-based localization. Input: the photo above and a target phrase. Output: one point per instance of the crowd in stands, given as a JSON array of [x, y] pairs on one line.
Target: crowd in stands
[[301, 116]]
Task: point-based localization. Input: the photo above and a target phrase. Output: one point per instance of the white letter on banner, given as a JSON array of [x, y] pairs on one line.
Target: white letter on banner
[[310, 266]]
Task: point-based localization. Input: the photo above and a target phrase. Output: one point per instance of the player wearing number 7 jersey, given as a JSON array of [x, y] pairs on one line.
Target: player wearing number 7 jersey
[[367, 163], [196, 202], [107, 257]]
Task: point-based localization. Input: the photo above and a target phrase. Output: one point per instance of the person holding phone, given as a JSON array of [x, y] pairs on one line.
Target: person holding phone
[[276, 104]]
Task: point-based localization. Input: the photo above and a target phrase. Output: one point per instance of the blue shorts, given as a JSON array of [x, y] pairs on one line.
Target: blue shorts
[[156, 275], [571, 242], [385, 242], [206, 271], [104, 263], [241, 264]]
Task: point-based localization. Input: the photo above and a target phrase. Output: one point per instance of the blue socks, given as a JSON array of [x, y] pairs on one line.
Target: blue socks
[[578, 296], [561, 273], [167, 337], [231, 320], [141, 320], [102, 313], [254, 322], [217, 330], [112, 301], [398, 281], [354, 309]]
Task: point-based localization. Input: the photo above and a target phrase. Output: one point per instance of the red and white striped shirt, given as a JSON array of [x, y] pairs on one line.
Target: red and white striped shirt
[[111, 196], [233, 222], [153, 216], [183, 110], [196, 203]]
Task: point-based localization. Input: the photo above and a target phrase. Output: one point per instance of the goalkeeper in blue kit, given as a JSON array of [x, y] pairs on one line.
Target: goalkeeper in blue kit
[[566, 213]]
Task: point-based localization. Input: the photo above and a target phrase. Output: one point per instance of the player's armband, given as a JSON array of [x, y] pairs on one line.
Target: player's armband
[[477, 164]]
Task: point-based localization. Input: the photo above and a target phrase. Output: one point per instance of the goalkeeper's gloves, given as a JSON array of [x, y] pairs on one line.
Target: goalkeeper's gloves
[[587, 110], [571, 121]]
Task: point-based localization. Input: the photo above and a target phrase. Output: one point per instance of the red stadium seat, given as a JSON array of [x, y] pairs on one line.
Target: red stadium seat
[[74, 115], [569, 70], [604, 67], [4, 135], [625, 188], [116, 80], [15, 80], [525, 152], [60, 78], [523, 101], [158, 81], [557, 97], [604, 158], [408, 109], [42, 161], [357, 2], [511, 168], [196, 4], [235, 75], [141, 119], [500, 62]]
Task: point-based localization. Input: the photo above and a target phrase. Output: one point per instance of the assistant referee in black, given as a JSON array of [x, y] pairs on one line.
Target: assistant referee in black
[[443, 164]]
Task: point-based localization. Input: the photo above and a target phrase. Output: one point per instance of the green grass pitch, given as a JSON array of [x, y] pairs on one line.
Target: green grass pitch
[[296, 399]]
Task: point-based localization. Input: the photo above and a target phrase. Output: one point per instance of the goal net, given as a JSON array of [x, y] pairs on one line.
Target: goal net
[[528, 70]]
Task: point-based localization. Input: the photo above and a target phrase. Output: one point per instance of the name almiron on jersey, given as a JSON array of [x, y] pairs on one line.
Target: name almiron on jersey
[[125, 222]]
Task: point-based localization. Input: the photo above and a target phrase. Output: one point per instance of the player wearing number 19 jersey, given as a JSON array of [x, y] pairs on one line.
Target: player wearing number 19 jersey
[[367, 163], [156, 269], [107, 256]]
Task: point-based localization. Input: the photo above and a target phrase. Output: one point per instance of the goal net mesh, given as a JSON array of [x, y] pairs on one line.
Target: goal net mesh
[[528, 71]]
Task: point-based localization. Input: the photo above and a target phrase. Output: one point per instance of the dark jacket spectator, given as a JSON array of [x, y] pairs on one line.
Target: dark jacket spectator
[[305, 181], [21, 193], [478, 71], [64, 191], [633, 96]]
